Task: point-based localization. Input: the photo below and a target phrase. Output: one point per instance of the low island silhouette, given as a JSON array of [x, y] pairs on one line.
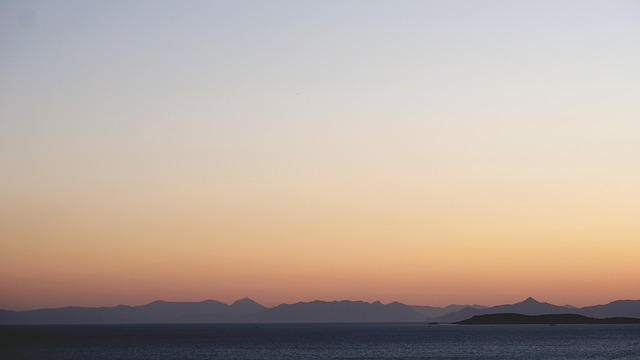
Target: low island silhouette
[[553, 319]]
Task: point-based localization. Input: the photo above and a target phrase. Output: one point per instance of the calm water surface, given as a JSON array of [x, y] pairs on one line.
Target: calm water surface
[[320, 341]]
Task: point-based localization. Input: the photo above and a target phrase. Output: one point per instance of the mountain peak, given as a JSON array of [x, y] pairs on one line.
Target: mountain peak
[[531, 300], [244, 301]]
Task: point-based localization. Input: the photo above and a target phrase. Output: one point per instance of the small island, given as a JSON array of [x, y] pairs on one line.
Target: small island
[[551, 319]]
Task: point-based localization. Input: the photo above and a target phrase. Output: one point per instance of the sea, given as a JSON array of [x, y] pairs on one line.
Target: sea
[[320, 341]]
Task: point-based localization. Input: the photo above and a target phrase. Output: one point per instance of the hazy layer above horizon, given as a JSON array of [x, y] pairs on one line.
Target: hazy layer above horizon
[[426, 152]]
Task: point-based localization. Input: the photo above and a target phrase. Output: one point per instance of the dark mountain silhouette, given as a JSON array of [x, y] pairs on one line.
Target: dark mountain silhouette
[[246, 310], [530, 306], [245, 307], [434, 311], [156, 312], [338, 311], [496, 319], [630, 308], [210, 311]]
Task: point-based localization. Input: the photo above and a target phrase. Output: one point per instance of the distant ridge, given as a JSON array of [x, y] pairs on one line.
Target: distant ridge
[[616, 308], [210, 311], [530, 306], [248, 311], [515, 319], [337, 312], [159, 311]]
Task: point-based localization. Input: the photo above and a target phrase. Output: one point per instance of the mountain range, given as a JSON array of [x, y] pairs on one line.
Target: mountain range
[[530, 306], [248, 311], [208, 311]]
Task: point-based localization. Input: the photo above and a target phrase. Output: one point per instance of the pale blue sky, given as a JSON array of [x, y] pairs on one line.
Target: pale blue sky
[[101, 77], [236, 63]]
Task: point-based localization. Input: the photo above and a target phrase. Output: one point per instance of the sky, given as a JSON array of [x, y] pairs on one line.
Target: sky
[[429, 152]]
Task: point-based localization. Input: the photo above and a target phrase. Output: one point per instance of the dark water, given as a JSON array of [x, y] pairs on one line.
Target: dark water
[[320, 341]]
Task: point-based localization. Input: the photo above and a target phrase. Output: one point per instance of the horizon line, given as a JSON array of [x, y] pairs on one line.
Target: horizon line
[[302, 301]]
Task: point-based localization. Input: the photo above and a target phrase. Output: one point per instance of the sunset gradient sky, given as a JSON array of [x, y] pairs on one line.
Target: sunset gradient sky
[[429, 152]]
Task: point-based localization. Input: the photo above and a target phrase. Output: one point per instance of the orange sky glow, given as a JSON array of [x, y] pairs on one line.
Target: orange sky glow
[[430, 153]]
